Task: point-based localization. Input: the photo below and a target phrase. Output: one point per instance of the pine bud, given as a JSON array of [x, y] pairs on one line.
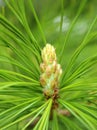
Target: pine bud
[[50, 70]]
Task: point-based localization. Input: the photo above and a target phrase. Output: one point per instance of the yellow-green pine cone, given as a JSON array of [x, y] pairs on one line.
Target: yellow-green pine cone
[[50, 70]]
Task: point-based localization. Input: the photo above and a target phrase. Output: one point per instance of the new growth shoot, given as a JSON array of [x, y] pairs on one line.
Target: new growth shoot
[[50, 72]]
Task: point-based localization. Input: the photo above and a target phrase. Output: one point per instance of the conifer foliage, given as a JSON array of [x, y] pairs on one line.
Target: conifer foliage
[[48, 75]]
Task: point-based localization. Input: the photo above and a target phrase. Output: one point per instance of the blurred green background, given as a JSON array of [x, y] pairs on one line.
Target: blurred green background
[[49, 13]]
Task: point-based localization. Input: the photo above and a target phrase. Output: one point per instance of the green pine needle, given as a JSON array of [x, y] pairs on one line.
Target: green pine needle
[[25, 29]]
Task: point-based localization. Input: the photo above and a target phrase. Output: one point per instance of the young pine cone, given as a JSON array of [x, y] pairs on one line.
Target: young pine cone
[[50, 70]]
